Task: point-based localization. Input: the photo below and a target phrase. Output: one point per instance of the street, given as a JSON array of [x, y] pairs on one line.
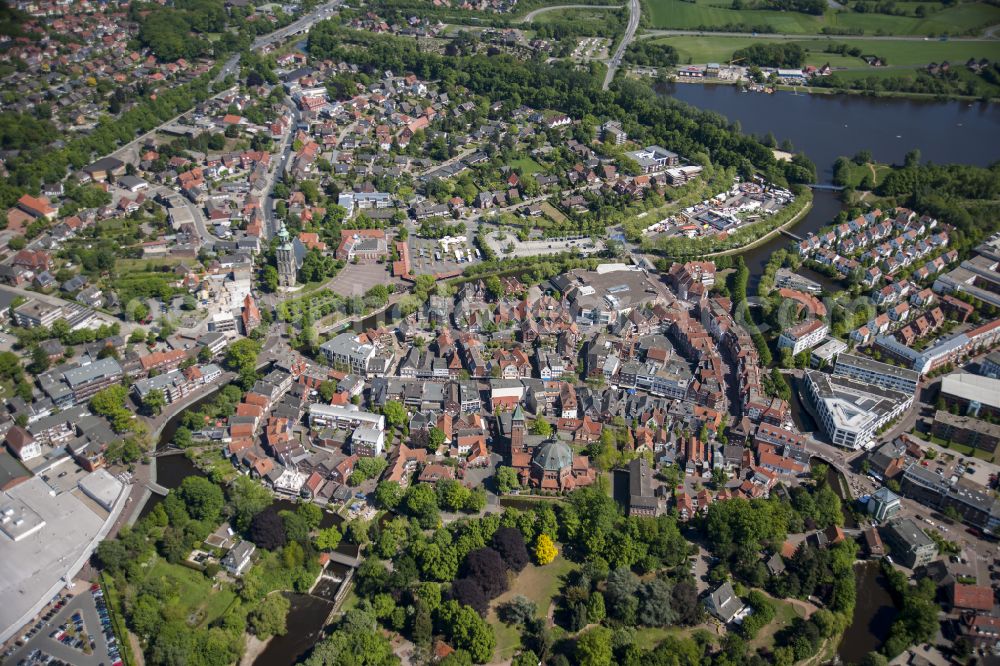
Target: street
[[634, 13]]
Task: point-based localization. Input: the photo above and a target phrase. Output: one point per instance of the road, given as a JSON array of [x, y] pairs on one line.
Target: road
[[530, 16], [634, 12], [279, 166]]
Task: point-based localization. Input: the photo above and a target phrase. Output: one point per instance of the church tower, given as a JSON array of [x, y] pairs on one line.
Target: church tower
[[517, 429], [285, 254]]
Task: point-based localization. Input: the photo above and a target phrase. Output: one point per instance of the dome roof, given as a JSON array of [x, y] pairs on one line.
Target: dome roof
[[554, 456]]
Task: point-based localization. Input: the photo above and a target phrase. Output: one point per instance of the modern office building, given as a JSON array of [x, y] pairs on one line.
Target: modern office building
[[863, 369], [908, 544], [884, 504], [851, 412]]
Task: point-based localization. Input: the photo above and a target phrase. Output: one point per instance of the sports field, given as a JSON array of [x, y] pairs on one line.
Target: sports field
[[714, 48], [956, 20]]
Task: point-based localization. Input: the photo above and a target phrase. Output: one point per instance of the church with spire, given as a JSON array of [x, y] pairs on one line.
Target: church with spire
[[289, 255], [541, 462]]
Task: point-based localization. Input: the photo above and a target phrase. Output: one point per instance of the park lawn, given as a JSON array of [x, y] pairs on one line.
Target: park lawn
[[194, 593], [784, 614], [541, 585], [647, 638], [679, 14], [859, 171]]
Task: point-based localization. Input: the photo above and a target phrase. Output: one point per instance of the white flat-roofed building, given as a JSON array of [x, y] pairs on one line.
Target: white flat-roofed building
[[56, 538], [851, 412], [803, 336], [36, 313], [367, 440], [18, 520], [174, 386], [102, 487], [973, 393], [325, 416], [864, 369], [827, 353], [86, 380], [345, 350]]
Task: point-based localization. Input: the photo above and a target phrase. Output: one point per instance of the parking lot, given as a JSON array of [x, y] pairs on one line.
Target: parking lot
[[78, 633], [427, 256], [356, 279], [533, 248]]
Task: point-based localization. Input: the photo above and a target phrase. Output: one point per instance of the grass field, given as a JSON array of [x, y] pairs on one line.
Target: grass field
[[647, 638], [146, 265], [551, 212], [784, 613], [681, 15], [713, 48], [194, 597], [541, 585], [876, 171], [595, 15], [527, 166]]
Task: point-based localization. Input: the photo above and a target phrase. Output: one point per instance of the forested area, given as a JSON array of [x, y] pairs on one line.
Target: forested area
[[193, 28], [581, 23], [984, 85], [650, 54], [420, 583], [771, 55]]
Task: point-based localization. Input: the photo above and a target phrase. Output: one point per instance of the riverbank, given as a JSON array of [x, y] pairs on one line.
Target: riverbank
[[798, 217], [853, 92]]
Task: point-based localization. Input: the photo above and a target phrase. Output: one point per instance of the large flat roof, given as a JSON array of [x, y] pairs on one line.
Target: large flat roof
[[32, 567], [984, 390], [879, 367]]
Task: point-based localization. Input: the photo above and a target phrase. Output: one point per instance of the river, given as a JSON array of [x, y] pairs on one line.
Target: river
[[825, 127], [873, 614]]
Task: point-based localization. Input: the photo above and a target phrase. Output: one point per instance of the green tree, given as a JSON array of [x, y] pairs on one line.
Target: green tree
[[247, 498], [241, 358], [468, 631], [269, 279], [202, 498], [154, 401], [541, 427], [593, 647], [328, 539], [435, 438], [395, 413], [388, 494], [506, 479], [269, 618]]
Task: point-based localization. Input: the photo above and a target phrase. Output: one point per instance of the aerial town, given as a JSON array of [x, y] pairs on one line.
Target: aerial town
[[428, 333]]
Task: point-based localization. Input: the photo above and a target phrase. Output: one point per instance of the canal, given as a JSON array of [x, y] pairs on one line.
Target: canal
[[825, 127], [874, 612]]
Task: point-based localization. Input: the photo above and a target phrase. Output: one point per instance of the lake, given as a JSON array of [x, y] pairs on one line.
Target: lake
[[825, 127]]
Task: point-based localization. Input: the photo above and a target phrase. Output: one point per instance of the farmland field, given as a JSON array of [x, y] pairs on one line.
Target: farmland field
[[719, 48], [956, 20]]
